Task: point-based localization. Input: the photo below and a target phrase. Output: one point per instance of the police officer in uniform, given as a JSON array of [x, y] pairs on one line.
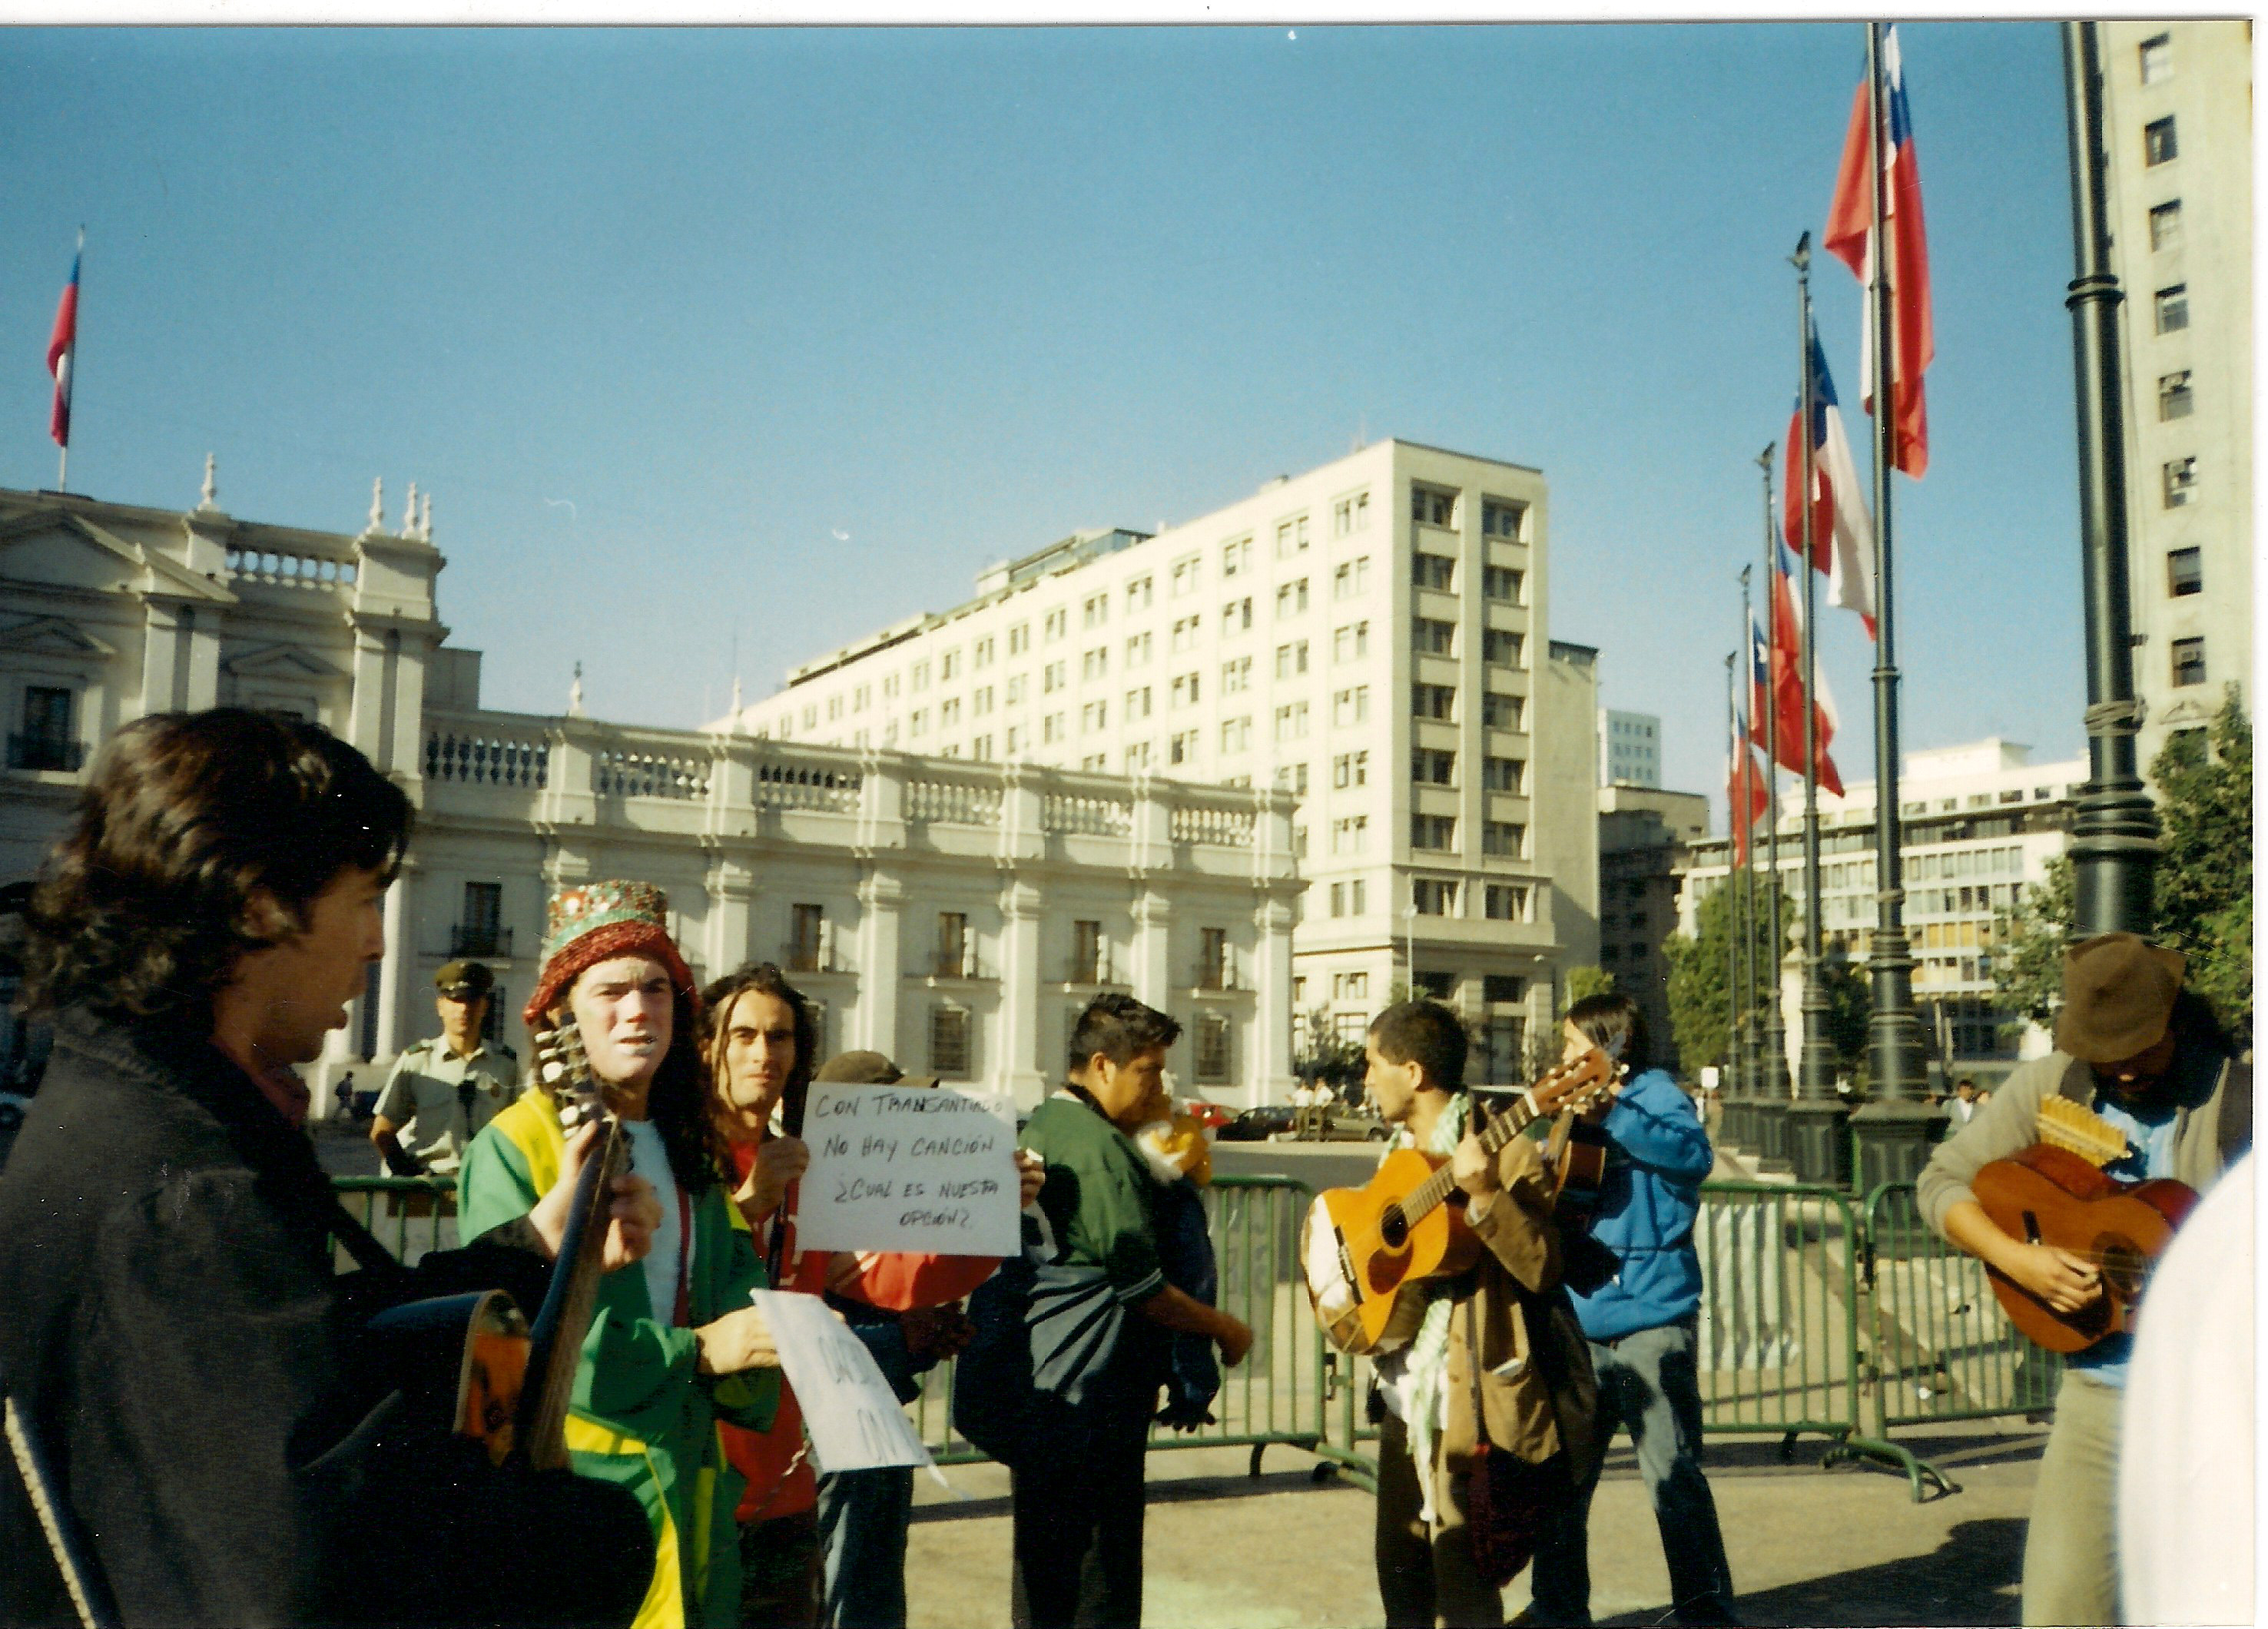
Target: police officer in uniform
[[445, 1089]]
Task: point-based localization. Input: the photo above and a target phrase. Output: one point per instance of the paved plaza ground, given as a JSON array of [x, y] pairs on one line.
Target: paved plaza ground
[[1846, 1545]]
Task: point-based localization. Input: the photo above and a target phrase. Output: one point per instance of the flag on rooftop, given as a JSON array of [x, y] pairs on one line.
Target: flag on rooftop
[[1849, 238], [62, 345], [1841, 533]]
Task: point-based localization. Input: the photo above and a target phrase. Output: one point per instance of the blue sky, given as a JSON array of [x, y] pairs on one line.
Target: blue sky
[[655, 315]]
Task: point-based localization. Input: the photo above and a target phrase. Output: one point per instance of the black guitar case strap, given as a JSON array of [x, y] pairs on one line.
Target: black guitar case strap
[[360, 1242]]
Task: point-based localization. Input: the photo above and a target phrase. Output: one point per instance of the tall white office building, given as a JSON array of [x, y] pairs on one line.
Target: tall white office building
[[1371, 636], [2177, 126], [1630, 749]]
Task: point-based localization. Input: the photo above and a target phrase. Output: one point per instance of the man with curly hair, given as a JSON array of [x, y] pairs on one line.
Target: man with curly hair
[[175, 1334]]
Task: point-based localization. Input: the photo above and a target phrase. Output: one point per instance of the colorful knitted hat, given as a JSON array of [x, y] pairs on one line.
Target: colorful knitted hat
[[594, 922]]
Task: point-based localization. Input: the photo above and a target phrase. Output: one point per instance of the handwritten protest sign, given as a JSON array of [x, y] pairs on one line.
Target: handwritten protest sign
[[910, 1169], [853, 1417]]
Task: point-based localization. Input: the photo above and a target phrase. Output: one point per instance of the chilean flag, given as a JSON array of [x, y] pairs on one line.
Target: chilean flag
[[1849, 238], [1744, 791], [1786, 670], [61, 346], [1841, 533]]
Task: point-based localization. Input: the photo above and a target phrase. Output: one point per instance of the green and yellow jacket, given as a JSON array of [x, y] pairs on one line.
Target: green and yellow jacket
[[643, 1416]]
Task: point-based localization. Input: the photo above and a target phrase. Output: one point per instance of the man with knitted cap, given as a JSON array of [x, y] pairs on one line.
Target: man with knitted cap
[[2150, 1059], [676, 1344]]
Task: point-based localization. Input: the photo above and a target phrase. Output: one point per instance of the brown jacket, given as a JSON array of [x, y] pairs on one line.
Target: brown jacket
[[1537, 1385]]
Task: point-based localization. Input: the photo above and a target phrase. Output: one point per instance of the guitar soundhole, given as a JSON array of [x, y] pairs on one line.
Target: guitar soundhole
[[2123, 1265], [1393, 1227]]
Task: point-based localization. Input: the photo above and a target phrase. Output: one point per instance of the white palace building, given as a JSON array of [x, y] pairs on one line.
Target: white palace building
[[950, 911]]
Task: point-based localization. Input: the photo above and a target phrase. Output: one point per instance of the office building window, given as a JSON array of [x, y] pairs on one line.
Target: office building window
[[1350, 643], [1430, 768], [1020, 638], [1185, 575], [1501, 648], [1350, 770], [1053, 729], [1503, 837], [2185, 571], [1339, 899], [1291, 598], [1138, 703], [1431, 506], [1497, 987], [1138, 595], [1433, 701], [1438, 832], [1352, 580], [981, 749], [1351, 706], [1292, 660], [1236, 676], [1185, 689], [2188, 661], [2175, 398], [1055, 676], [1292, 777], [1095, 664], [1236, 734], [2157, 58], [1185, 633], [1136, 757], [1095, 610], [1292, 722], [1503, 713], [1504, 774], [1349, 836], [1056, 623], [1236, 556], [1433, 897], [2173, 308], [981, 653], [1236, 616], [1291, 537], [2158, 144], [1137, 650], [2181, 480], [1182, 747], [1351, 515], [1503, 520], [1500, 582], [948, 1042], [1507, 901], [1431, 637], [1093, 715], [1433, 571], [2166, 224]]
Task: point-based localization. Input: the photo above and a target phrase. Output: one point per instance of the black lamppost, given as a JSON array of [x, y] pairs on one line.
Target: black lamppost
[[2114, 848]]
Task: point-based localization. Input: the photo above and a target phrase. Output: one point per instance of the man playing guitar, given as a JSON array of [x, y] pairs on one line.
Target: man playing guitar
[[2148, 1057], [176, 1340]]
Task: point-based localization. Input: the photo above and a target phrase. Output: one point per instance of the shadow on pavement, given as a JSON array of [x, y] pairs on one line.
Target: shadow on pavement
[[1971, 1578]]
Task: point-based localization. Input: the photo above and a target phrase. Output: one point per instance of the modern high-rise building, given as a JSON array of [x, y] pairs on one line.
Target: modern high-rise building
[[1371, 636], [1977, 825], [1630, 749], [2177, 124], [1645, 835]]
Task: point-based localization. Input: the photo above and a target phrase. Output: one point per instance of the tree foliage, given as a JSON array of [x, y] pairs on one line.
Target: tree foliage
[[2204, 884], [1322, 1053], [2204, 859], [1583, 983], [1700, 1017]]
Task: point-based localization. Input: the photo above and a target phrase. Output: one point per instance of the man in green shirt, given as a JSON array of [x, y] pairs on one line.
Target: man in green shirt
[[1098, 1319]]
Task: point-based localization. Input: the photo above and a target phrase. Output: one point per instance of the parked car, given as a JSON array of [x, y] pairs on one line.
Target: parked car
[[1257, 1125], [1213, 1116], [1354, 1125]]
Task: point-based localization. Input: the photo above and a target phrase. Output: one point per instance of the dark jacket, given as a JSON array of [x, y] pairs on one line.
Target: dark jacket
[[170, 1322]]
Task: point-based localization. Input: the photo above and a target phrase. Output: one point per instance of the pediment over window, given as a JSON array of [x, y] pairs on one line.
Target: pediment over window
[[52, 636], [279, 662]]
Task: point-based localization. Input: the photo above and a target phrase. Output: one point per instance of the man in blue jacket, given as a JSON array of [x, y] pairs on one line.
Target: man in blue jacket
[[1641, 1323]]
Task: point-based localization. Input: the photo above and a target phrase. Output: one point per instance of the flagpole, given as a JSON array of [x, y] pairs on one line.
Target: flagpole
[[1893, 1125], [1773, 1082], [78, 298], [1733, 791], [1751, 1038], [2114, 827]]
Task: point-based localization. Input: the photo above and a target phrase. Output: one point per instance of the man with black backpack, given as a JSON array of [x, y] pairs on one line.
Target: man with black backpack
[[218, 1434]]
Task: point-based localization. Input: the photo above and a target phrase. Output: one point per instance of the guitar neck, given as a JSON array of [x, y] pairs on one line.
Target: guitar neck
[[555, 1340], [1510, 1122]]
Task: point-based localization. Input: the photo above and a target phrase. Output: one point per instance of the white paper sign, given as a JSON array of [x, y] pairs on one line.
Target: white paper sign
[[853, 1417], [918, 1168]]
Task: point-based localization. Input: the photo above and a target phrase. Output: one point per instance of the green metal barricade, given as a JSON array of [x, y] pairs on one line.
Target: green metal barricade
[[1942, 1347], [410, 1215]]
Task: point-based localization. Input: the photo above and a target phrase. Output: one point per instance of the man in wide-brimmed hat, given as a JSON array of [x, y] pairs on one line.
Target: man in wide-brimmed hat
[[2150, 1059]]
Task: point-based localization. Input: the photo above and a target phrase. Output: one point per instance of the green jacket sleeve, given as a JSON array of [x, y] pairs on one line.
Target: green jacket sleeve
[[730, 1271], [493, 1187]]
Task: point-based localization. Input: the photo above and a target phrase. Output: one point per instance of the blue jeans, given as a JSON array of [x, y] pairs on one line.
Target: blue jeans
[[1648, 1385], [863, 1515]]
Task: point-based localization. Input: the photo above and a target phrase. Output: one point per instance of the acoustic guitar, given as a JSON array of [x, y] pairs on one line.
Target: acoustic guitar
[[2054, 1193], [1365, 1246]]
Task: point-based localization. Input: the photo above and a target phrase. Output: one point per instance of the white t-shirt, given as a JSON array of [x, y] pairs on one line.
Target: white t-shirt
[[650, 1159]]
